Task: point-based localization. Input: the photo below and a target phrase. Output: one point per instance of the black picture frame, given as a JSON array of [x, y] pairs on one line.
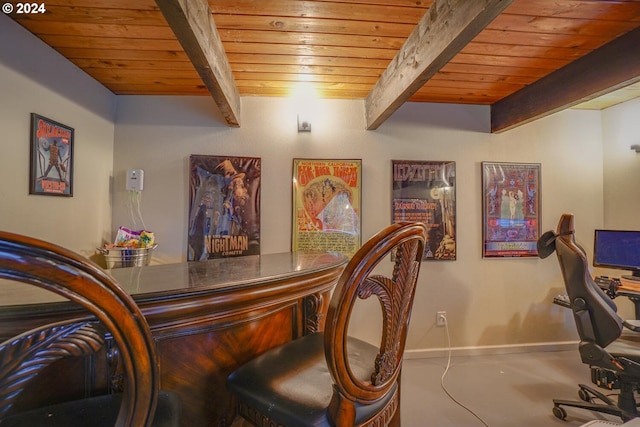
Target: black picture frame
[[425, 191], [224, 207], [50, 176], [511, 209]]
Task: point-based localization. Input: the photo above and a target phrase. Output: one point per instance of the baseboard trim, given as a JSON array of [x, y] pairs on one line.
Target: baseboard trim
[[491, 349]]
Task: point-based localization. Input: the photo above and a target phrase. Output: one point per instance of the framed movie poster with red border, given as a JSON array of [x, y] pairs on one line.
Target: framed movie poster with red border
[[51, 158], [510, 209]]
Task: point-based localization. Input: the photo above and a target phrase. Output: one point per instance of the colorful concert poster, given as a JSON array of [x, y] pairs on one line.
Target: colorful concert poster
[[425, 191], [511, 209], [51, 171], [224, 207], [326, 205]]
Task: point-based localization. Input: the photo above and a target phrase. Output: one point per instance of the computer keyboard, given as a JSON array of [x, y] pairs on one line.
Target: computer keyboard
[[603, 280], [562, 299], [608, 284]]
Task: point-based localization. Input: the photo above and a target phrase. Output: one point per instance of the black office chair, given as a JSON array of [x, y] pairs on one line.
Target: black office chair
[[613, 356], [329, 378], [109, 311]]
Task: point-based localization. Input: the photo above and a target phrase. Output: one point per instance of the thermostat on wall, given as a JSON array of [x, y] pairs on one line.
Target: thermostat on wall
[[135, 179]]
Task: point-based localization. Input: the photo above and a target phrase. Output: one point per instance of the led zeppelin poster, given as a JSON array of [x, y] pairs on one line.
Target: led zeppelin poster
[[425, 191], [326, 205], [511, 209], [51, 153], [224, 207]]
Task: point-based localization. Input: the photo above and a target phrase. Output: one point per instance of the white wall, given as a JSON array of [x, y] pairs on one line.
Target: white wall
[[36, 79], [488, 301], [621, 130]]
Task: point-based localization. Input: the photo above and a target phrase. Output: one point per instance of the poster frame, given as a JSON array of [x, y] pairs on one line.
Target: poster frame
[[224, 206], [326, 178], [45, 135], [425, 191], [517, 235]]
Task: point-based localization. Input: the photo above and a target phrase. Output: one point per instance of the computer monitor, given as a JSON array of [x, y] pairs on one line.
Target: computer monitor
[[619, 249]]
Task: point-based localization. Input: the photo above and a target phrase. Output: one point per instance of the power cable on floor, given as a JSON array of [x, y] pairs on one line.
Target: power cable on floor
[[446, 328]]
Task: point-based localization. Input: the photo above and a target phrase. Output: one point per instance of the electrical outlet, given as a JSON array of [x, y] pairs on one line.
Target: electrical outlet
[[441, 318]]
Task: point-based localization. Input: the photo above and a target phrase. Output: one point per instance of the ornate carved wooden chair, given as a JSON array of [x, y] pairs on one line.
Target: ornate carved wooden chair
[[329, 378], [110, 311]]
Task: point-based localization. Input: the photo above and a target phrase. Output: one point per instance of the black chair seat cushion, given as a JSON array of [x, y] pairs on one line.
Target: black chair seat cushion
[[99, 411], [292, 386], [628, 346]]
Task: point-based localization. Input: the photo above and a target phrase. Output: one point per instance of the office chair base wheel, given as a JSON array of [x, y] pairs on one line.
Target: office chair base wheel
[[559, 412], [587, 394], [584, 395]]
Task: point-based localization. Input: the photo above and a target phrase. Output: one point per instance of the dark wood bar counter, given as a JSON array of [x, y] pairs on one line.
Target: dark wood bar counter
[[207, 318]]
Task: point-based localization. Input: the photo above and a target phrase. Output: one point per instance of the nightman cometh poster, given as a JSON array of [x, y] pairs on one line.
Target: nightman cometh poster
[[224, 207]]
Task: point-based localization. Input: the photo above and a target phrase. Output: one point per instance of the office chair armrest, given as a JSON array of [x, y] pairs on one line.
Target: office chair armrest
[[631, 325]]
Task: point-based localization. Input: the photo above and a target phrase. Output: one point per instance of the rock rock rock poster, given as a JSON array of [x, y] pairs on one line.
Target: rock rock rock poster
[[326, 205], [224, 207], [425, 191]]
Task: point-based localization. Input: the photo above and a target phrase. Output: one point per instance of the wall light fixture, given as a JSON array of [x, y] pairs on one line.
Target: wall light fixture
[[304, 125]]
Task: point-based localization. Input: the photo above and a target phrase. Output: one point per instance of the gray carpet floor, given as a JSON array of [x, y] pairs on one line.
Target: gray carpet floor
[[509, 390]]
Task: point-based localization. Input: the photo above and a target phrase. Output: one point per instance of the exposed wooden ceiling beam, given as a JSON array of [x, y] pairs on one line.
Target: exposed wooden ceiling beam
[[442, 32], [192, 22], [613, 66]]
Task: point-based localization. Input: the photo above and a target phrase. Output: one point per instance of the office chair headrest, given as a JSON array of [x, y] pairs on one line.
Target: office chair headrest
[[547, 242]]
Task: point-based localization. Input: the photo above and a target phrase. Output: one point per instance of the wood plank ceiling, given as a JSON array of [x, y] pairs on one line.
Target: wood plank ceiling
[[342, 48]]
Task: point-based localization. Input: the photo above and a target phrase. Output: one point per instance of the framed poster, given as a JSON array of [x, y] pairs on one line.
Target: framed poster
[[425, 191], [224, 207], [510, 209], [326, 205], [51, 155]]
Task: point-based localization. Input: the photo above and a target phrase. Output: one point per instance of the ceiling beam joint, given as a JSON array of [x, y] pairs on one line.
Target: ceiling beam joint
[[192, 23], [446, 28]]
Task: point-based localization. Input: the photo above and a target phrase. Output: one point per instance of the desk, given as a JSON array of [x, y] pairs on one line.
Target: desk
[[207, 318], [627, 288], [631, 290]]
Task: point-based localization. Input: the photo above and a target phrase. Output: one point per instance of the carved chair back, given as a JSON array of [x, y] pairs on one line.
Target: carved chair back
[[67, 274], [406, 243]]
